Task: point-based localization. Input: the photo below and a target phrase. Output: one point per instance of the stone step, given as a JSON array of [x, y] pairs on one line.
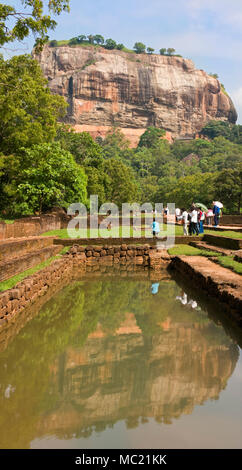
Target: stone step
[[218, 281], [13, 248], [19, 264], [238, 256], [223, 242], [216, 249]]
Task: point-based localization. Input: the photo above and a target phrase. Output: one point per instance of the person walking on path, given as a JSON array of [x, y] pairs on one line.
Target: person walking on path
[[184, 218]]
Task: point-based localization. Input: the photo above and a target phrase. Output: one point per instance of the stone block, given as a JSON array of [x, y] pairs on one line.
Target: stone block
[[139, 260], [15, 294]]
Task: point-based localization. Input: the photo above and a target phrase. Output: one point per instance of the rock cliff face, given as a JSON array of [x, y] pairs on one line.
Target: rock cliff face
[[106, 88]]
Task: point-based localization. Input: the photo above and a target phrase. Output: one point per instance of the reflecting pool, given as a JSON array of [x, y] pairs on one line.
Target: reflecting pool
[[121, 362]]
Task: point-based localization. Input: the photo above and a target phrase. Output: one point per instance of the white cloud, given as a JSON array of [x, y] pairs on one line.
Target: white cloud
[[225, 11], [206, 44]]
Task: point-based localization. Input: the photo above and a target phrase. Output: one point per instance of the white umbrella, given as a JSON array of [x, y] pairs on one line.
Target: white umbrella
[[218, 204]]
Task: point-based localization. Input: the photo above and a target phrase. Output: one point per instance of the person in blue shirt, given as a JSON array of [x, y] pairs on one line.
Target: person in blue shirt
[[216, 211], [155, 228]]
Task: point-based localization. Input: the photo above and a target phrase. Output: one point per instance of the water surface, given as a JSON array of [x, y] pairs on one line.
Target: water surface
[[112, 362]]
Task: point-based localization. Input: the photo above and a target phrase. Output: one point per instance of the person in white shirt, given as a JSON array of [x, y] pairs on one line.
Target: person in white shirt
[[178, 213], [184, 218], [194, 220]]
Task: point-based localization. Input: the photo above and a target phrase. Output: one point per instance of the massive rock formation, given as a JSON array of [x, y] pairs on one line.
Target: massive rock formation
[[106, 88]]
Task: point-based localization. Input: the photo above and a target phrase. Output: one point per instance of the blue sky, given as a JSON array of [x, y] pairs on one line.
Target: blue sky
[[207, 31]]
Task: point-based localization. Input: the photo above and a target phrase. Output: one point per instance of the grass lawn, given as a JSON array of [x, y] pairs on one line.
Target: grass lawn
[[228, 262], [124, 232], [187, 250], [225, 233], [12, 281], [7, 221], [117, 232]]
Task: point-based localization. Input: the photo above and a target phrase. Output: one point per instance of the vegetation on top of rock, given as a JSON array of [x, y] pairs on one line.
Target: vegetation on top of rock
[[98, 40], [215, 75]]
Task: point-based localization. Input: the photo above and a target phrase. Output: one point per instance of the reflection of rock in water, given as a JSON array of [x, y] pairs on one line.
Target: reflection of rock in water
[[130, 377]]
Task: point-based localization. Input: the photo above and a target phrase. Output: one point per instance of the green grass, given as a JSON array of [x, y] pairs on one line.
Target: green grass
[[7, 221], [12, 281], [225, 233], [62, 233], [225, 261], [187, 250], [230, 263], [119, 232]]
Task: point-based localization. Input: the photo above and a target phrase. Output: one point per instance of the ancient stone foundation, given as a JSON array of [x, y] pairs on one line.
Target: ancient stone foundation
[[130, 257]]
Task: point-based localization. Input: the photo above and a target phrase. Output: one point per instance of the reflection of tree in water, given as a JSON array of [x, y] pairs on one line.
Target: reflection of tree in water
[[65, 383]]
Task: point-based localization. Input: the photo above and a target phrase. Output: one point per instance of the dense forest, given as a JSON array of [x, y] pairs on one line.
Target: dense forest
[[44, 163]]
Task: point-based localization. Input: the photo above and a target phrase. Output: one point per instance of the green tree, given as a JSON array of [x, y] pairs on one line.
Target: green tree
[[90, 38], [42, 177], [150, 50], [81, 145], [139, 48], [122, 186], [98, 39], [34, 17], [110, 44], [120, 47], [82, 38], [74, 41], [151, 137], [28, 110], [193, 189], [229, 188], [170, 50], [225, 129], [53, 43], [163, 51], [214, 75], [115, 144]]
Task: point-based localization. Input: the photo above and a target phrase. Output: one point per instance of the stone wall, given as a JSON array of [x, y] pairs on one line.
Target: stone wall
[[12, 248], [220, 283], [18, 265], [224, 242], [231, 220], [129, 255], [33, 226], [24, 294]]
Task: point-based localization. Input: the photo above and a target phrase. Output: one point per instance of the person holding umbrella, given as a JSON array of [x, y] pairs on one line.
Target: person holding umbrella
[[201, 216], [217, 206]]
